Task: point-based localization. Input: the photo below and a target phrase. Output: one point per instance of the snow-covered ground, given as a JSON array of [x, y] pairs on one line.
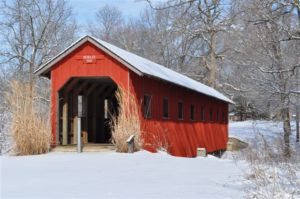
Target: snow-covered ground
[[247, 130], [269, 130], [270, 174], [138, 175], [114, 175]]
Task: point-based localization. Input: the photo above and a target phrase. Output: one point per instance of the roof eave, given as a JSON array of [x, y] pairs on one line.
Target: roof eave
[[223, 100]]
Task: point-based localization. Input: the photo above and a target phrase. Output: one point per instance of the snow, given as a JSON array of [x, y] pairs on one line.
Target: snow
[[115, 175], [139, 175], [274, 175], [247, 130], [146, 67]]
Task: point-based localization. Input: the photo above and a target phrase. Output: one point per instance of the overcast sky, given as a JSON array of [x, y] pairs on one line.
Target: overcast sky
[[85, 10]]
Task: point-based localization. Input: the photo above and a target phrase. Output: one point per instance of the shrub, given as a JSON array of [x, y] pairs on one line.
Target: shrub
[[271, 174], [126, 122], [4, 129], [30, 130]]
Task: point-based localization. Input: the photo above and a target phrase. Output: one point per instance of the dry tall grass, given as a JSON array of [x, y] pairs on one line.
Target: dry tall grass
[[30, 131], [126, 122], [158, 138]]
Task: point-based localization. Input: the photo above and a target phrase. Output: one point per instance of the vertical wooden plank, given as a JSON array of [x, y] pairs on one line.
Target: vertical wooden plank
[[65, 120], [84, 124], [57, 118], [89, 119], [100, 119], [75, 127], [94, 118], [74, 119]]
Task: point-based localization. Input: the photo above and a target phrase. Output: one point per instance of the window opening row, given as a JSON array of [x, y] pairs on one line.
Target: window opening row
[[148, 114]]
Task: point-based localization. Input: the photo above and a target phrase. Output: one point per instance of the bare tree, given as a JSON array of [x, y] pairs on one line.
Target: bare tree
[[108, 20], [202, 22], [266, 48], [296, 6], [32, 32]]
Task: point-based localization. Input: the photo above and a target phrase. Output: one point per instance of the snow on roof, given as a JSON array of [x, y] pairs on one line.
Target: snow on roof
[[141, 66]]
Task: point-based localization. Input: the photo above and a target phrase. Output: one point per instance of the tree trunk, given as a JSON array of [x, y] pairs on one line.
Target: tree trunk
[[297, 4], [297, 124], [212, 64], [287, 131]]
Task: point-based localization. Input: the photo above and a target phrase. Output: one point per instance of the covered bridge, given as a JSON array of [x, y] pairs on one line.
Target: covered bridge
[[184, 112]]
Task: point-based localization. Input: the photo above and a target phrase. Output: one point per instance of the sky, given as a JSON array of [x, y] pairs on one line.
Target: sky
[[85, 10]]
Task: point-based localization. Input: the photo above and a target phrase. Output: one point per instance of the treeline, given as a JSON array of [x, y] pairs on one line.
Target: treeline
[[248, 49]]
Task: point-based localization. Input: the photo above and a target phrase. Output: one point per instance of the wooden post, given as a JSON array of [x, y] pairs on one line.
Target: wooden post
[[79, 147], [75, 129], [65, 120], [81, 112], [130, 143]]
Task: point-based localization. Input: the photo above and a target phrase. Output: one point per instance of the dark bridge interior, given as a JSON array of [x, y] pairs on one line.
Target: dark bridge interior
[[100, 105]]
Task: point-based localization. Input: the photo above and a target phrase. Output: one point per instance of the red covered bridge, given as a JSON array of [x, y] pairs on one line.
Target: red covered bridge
[[184, 112]]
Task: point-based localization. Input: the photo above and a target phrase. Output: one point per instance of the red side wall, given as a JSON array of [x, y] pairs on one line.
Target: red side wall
[[181, 136]]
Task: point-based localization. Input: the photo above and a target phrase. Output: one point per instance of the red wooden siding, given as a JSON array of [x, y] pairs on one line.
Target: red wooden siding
[[74, 66], [182, 136]]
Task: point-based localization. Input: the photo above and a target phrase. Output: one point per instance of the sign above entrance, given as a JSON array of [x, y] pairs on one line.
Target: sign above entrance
[[90, 59]]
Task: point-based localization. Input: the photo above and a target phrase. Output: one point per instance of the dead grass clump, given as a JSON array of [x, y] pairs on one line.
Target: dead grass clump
[[126, 122], [30, 131]]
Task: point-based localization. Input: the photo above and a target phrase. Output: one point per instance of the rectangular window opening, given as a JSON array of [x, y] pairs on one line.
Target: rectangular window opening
[[211, 114], [147, 106], [202, 113], [192, 111], [165, 108], [180, 110]]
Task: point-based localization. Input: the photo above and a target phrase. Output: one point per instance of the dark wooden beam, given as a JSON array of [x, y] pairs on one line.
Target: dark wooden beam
[[102, 89], [92, 88], [81, 87], [70, 85], [107, 91], [112, 94]]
